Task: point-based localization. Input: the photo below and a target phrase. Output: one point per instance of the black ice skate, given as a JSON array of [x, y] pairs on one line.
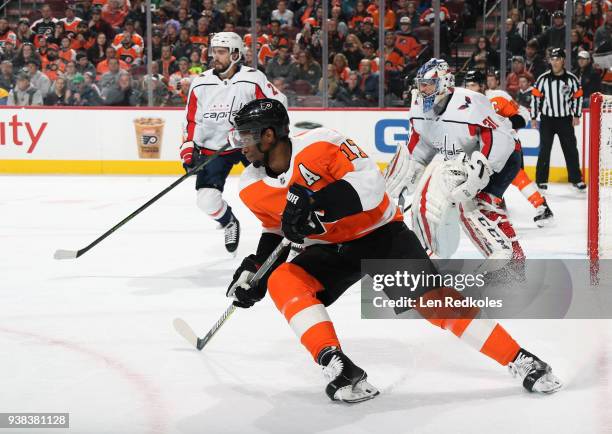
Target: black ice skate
[[580, 186], [347, 380], [545, 216], [232, 235], [536, 375]]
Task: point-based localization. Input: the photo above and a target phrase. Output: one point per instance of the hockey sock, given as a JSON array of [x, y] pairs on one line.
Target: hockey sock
[[226, 217], [528, 188], [293, 291], [482, 334]]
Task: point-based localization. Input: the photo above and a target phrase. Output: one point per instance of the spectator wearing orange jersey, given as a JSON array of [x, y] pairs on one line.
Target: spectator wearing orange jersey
[[305, 12], [167, 62], [201, 35], [389, 18], [52, 65], [394, 58], [82, 40], [341, 69], [405, 41], [130, 30], [518, 70], [71, 21], [427, 18], [103, 65], [603, 6], [369, 53], [128, 51], [6, 34], [66, 54], [358, 16], [113, 13]]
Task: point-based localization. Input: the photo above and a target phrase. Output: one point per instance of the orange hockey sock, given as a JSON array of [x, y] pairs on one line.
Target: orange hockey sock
[[485, 335], [528, 188], [293, 291]]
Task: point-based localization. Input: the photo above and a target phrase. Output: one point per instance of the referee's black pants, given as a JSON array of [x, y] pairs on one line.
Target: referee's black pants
[[565, 130]]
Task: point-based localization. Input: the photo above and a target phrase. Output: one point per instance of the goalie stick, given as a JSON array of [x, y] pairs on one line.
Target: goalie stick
[[73, 254], [187, 332]]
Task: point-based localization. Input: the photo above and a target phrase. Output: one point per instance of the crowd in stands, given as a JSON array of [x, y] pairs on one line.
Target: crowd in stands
[[95, 53]]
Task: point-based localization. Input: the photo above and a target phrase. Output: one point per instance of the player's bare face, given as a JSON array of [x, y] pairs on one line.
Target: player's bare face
[[557, 64], [252, 153], [473, 87], [221, 58]]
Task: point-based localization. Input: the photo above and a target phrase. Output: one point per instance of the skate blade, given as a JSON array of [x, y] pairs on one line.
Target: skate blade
[[546, 223], [362, 391], [548, 384]]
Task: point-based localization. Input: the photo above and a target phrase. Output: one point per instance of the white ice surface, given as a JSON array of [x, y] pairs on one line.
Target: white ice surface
[[94, 337]]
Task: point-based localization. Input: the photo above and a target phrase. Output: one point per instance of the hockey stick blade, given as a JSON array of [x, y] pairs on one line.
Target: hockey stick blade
[[183, 329], [65, 254]]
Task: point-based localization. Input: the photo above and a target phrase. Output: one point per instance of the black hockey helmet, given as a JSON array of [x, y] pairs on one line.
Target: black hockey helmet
[[475, 76], [255, 117]]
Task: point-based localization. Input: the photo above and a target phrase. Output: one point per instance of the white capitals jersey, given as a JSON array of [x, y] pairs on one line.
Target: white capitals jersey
[[468, 124], [213, 102]]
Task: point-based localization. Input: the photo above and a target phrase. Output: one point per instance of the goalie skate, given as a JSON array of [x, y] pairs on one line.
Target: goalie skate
[[347, 381], [535, 374], [544, 216]]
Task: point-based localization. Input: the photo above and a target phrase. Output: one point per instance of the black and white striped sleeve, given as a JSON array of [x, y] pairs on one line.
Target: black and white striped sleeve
[[577, 95], [536, 96]]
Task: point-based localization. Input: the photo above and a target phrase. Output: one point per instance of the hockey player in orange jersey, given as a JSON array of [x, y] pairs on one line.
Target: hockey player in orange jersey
[[505, 106], [320, 189]]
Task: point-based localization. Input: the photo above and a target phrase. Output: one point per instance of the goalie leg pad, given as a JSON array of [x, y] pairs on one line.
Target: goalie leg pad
[[434, 216], [488, 227]]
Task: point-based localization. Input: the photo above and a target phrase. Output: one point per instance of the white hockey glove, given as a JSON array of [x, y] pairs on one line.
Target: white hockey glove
[[477, 175], [402, 173]]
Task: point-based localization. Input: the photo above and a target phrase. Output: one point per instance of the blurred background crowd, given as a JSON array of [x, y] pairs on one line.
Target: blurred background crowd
[[93, 52]]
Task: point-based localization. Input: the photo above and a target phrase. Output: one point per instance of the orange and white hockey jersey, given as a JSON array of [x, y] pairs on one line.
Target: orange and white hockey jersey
[[505, 106], [322, 157]]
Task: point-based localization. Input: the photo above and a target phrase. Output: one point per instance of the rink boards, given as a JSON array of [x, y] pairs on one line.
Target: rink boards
[[43, 140]]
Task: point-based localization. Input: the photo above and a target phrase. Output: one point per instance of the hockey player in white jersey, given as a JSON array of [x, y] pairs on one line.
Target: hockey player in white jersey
[[480, 159], [505, 106], [214, 98]]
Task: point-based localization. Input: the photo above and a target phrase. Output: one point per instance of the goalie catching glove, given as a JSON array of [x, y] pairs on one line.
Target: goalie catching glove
[[403, 172], [246, 294], [477, 175]]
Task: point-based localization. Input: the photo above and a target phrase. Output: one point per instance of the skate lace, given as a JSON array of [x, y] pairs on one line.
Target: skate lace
[[522, 366], [333, 368], [231, 233]]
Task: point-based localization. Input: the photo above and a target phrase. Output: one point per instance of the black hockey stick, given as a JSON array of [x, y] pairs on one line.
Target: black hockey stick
[[187, 332], [402, 200], [73, 254]]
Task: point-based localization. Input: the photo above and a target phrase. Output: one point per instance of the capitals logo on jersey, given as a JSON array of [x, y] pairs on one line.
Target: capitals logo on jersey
[[468, 101]]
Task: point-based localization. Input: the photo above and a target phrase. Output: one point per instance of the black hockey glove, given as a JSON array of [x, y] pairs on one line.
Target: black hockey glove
[[245, 294], [299, 219], [191, 156]]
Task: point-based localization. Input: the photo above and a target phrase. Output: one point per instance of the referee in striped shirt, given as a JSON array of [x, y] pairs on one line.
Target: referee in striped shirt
[[557, 99]]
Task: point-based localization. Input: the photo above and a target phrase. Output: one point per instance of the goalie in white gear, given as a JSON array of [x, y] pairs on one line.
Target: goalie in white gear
[[480, 160], [214, 98]]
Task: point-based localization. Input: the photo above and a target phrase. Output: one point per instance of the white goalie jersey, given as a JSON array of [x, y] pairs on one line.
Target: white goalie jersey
[[468, 124], [213, 102]]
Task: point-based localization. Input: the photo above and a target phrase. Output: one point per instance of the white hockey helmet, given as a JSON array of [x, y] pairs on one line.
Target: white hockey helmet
[[230, 40], [436, 72]]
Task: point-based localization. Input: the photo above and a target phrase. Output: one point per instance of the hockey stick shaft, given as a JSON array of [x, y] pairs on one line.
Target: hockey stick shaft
[[187, 332], [69, 254]]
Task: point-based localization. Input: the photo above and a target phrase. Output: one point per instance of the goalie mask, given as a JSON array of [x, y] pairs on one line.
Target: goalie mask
[[434, 81]]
